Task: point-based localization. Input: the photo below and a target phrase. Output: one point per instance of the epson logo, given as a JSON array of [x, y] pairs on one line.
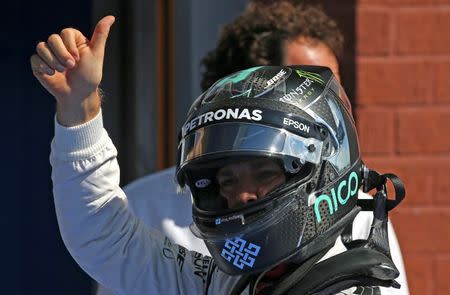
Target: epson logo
[[334, 201], [222, 114], [296, 124], [275, 78]]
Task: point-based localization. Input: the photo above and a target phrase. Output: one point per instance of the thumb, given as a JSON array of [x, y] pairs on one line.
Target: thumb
[[100, 35]]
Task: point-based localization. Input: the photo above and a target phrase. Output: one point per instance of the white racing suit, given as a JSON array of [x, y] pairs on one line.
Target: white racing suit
[[108, 241]]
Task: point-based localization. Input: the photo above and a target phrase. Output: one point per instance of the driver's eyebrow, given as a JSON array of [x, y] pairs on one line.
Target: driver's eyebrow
[[225, 173]]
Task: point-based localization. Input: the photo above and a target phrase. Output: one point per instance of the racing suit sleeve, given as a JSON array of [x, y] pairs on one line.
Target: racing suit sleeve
[[99, 230]]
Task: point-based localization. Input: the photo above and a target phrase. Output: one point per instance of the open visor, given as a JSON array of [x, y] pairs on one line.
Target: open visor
[[248, 138]]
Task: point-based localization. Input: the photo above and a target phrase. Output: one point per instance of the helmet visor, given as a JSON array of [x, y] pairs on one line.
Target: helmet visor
[[248, 138]]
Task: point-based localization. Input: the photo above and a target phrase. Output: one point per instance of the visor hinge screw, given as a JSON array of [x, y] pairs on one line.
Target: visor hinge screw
[[311, 148]]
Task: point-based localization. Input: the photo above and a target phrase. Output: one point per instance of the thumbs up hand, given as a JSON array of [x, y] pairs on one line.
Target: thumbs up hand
[[70, 67]]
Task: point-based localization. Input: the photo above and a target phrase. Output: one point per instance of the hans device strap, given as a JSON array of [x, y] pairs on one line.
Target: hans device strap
[[373, 179]]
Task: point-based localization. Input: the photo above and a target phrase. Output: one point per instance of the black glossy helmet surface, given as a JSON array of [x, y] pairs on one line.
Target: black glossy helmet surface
[[297, 115]]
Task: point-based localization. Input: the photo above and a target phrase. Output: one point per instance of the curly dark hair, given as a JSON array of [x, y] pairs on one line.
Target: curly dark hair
[[259, 34]]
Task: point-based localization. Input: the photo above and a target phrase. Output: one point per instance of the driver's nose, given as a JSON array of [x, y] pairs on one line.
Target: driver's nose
[[248, 191], [245, 197]]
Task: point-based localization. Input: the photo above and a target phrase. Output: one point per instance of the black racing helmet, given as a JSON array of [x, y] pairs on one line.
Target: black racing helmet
[[299, 116]]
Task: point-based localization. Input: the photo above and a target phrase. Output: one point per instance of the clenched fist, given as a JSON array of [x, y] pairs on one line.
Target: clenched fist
[[69, 66]]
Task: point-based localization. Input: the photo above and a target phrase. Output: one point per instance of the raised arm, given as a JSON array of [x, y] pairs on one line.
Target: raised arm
[[69, 66], [97, 227]]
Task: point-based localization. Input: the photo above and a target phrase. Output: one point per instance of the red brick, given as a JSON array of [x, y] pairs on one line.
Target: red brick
[[375, 130], [442, 183], [330, 6], [423, 31], [442, 271], [372, 31], [441, 86], [423, 131], [393, 2], [416, 174], [393, 82], [419, 273], [422, 230]]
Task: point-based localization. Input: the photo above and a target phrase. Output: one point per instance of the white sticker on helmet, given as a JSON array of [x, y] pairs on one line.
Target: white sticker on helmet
[[202, 183]]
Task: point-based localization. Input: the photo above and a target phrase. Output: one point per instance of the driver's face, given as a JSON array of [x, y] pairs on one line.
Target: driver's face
[[249, 180]]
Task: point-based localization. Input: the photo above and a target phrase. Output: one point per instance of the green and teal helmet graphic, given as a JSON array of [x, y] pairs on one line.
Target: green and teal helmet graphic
[[299, 116]]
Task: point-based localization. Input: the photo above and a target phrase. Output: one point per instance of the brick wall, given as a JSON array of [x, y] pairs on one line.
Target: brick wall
[[402, 64]]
